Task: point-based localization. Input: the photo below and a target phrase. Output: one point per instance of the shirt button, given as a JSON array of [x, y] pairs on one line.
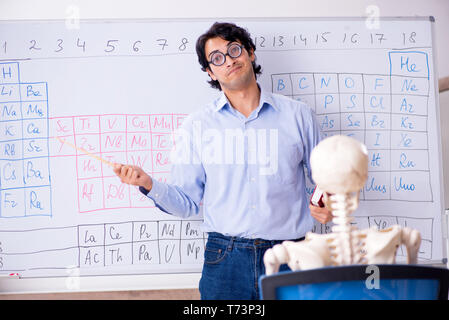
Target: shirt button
[[156, 195], [253, 179], [253, 207]]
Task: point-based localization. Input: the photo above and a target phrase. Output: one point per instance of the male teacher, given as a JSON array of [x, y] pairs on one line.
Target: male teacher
[[243, 156]]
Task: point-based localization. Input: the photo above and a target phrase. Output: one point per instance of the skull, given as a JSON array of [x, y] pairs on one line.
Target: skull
[[339, 165]]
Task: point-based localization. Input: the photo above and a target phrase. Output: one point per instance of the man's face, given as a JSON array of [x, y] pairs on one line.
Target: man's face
[[235, 73]]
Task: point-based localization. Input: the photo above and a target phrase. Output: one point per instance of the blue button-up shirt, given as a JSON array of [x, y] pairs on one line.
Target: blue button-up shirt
[[248, 172]]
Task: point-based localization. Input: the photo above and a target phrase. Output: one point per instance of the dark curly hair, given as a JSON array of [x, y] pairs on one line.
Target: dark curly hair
[[229, 32]]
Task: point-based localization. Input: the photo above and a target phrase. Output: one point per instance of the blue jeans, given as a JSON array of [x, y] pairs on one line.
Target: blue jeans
[[232, 267]]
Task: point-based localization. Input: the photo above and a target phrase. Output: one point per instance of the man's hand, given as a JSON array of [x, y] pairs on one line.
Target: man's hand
[[133, 175], [322, 215]]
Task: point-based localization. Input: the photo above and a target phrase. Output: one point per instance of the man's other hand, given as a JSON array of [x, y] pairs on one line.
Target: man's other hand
[[322, 215]]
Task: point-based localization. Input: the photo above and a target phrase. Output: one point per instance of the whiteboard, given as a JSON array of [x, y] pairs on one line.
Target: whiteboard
[[120, 88]]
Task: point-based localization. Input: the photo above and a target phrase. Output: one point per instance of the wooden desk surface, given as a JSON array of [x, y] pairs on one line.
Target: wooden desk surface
[[184, 294]]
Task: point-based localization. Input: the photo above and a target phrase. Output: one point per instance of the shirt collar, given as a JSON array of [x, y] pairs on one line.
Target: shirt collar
[[265, 97]]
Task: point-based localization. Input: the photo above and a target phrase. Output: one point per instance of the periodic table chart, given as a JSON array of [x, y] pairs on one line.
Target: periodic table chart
[[389, 114], [120, 89]]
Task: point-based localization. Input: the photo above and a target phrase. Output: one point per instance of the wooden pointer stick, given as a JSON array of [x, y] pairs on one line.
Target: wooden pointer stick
[[86, 152]]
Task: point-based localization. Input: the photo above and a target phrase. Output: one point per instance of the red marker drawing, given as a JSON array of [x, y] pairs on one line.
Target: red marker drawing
[[13, 275]]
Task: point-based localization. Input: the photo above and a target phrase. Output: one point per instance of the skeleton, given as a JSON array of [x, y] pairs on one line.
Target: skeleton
[[340, 169]]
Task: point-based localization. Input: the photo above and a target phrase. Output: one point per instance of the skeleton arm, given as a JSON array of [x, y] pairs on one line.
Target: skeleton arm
[[274, 257], [298, 255], [411, 238]]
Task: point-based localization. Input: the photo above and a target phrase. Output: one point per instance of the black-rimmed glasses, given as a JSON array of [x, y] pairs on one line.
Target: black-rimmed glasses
[[218, 58]]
